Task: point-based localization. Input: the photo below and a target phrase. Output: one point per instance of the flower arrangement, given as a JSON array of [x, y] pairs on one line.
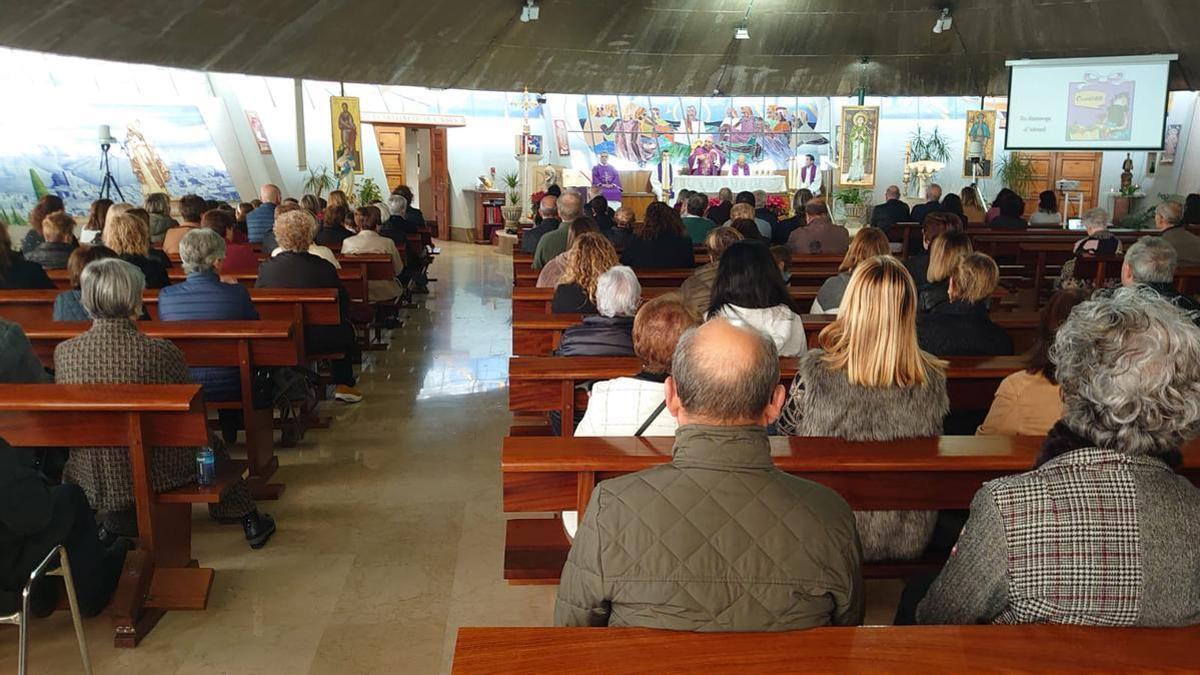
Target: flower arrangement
[[1130, 190], [777, 204], [714, 201], [536, 199]]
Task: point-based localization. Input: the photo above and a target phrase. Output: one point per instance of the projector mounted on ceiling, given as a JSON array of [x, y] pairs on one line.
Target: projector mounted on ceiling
[[943, 23], [530, 11]]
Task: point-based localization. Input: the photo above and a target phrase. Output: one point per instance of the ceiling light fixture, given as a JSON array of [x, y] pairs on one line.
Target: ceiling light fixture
[[530, 11], [943, 23], [742, 33]]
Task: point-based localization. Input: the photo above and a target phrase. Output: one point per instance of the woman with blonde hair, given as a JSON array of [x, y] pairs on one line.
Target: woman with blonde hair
[[336, 198], [867, 243], [553, 270], [45, 206], [972, 209], [129, 237], [944, 254], [592, 255], [959, 326], [868, 380]]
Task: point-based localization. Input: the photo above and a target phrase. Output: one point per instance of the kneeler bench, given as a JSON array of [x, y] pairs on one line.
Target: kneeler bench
[[160, 574]]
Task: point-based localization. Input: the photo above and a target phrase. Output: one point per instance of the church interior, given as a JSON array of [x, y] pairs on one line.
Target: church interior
[[426, 440]]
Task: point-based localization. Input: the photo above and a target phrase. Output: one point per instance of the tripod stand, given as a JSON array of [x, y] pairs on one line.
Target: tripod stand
[[109, 183]]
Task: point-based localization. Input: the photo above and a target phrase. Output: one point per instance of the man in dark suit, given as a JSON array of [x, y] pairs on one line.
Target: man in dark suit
[[933, 203], [720, 213], [295, 267], [548, 210], [891, 211]]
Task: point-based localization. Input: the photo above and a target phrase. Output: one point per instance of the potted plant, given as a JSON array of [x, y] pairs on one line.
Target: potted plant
[[511, 212], [369, 192], [318, 180], [931, 147], [1015, 172], [854, 201]]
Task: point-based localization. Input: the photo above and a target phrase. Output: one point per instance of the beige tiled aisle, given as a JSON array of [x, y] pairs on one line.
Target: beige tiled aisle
[[390, 531]]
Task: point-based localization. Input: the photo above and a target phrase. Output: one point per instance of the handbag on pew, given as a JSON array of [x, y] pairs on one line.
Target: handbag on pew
[[292, 391]]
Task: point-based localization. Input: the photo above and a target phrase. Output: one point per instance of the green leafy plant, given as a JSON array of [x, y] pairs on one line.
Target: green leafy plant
[[512, 180], [369, 192], [1015, 172], [1130, 190], [318, 180], [931, 147], [852, 195]]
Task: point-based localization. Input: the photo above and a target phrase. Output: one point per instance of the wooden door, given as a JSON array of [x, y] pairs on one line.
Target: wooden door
[[1043, 177], [390, 138], [439, 169], [1050, 167]]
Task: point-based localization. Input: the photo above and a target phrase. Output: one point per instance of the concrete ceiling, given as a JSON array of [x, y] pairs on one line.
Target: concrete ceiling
[[682, 47]]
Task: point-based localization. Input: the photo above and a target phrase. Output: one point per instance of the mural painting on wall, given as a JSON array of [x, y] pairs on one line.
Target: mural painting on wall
[[981, 140], [347, 135], [160, 149], [1170, 143], [860, 132], [708, 136], [560, 136]]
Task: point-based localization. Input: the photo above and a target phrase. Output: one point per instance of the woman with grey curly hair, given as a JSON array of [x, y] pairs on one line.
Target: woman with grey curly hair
[[1104, 531]]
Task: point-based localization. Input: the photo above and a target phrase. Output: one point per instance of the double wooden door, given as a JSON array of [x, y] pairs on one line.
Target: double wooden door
[[1050, 167], [433, 188]]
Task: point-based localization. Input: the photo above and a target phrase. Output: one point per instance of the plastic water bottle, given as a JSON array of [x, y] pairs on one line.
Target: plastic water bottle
[[206, 462]]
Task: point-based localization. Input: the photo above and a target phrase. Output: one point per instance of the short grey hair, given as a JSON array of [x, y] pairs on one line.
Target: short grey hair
[[397, 204], [1151, 260], [111, 288], [1129, 366], [1096, 218], [711, 386], [200, 250], [1170, 212], [618, 292], [384, 211], [548, 207], [760, 198], [933, 192]]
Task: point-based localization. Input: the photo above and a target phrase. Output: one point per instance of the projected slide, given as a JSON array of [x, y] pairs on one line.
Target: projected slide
[[1087, 104]]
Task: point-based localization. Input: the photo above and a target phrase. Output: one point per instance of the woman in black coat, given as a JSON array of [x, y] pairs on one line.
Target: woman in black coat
[[15, 271], [960, 326], [660, 241]]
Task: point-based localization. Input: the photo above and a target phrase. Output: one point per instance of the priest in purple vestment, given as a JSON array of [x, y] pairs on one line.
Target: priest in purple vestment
[[740, 168], [607, 180]]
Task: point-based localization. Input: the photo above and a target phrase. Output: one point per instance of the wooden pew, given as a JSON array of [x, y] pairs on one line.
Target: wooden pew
[[926, 649], [160, 574], [531, 302], [535, 335], [353, 278], [558, 474], [810, 270], [548, 383], [246, 345]]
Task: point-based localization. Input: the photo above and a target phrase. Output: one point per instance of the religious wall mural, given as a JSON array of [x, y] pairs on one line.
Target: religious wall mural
[[859, 136], [981, 140], [158, 148]]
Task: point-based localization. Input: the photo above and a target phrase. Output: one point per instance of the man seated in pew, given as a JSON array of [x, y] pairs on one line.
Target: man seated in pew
[[869, 381], [749, 288], [622, 230], [868, 242], [1150, 262], [113, 351], [202, 297], [1103, 532], [368, 241], [34, 518], [1168, 220], [551, 274], [18, 363], [718, 539], [961, 326], [296, 267], [67, 306], [697, 289], [819, 235], [891, 211], [397, 228], [610, 332], [1028, 402], [547, 212]]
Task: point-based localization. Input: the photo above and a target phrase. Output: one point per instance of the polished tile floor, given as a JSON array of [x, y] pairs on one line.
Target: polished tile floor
[[390, 531]]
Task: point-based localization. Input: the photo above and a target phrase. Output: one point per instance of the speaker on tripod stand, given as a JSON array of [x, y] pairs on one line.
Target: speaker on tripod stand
[[109, 183], [975, 156]]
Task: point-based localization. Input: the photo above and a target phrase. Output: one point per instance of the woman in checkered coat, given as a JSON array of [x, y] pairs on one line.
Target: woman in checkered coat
[[1104, 531], [113, 351]]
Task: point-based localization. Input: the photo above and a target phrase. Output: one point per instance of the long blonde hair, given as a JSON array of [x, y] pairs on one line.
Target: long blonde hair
[[126, 234], [944, 254], [591, 255], [867, 243], [874, 338]]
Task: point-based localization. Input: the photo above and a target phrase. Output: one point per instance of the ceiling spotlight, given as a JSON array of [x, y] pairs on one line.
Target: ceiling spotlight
[[530, 11], [742, 33], [944, 22]]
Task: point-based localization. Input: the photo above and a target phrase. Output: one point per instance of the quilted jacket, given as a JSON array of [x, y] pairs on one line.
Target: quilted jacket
[[716, 540]]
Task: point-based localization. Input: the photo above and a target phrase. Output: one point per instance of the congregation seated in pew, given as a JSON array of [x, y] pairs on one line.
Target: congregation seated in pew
[[58, 233], [368, 240], [67, 305], [547, 221], [240, 257], [610, 331], [659, 241], [622, 229], [631, 563], [191, 208], [129, 238], [870, 381], [554, 242], [15, 271], [868, 242], [113, 351], [1150, 262], [552, 272], [933, 225], [315, 249], [590, 255], [696, 290], [1102, 532], [945, 252], [819, 235], [749, 289], [1028, 402], [18, 363], [960, 326]]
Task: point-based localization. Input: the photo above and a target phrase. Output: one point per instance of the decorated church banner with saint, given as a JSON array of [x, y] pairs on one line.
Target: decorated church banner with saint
[[347, 135], [859, 136]]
